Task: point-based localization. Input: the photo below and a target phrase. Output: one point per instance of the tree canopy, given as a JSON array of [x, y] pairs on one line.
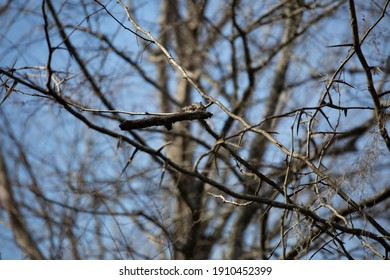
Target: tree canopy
[[194, 129]]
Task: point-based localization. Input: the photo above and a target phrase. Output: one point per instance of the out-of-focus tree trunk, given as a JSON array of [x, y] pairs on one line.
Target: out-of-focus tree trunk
[[183, 34], [16, 221], [258, 145]]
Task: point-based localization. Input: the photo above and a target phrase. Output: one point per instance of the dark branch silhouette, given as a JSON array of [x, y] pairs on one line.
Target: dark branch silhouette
[[166, 121]]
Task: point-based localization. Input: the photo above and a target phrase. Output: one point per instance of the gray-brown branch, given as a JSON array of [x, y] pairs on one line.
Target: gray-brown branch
[[166, 121]]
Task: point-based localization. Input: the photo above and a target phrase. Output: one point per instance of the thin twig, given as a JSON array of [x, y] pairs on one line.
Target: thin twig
[[121, 24], [224, 200]]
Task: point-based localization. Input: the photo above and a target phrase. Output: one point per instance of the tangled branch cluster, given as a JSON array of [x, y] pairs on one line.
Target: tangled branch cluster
[[281, 170]]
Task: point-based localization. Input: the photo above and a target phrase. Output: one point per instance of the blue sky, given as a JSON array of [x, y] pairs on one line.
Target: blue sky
[[47, 131]]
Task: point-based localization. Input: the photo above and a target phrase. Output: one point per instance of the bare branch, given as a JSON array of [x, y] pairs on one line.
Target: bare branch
[[166, 121], [380, 114]]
